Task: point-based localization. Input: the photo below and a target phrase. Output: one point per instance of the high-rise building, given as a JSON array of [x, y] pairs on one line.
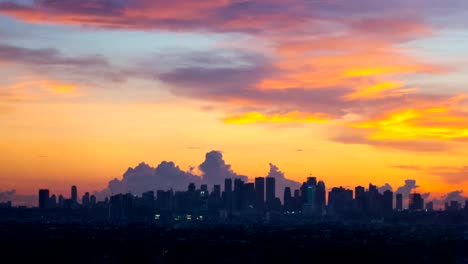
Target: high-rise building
[[340, 200], [92, 200], [320, 197], [287, 198], [85, 199], [260, 193], [216, 191], [228, 195], [311, 181], [239, 198], [61, 201], [388, 201], [191, 187], [416, 202], [228, 185], [399, 201], [373, 188], [297, 194], [270, 190], [74, 194], [204, 190], [311, 195], [359, 192], [53, 201], [249, 198], [430, 206], [44, 198]]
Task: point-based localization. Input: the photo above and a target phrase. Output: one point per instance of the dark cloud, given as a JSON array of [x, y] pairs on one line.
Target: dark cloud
[[167, 175], [406, 189], [144, 178], [18, 199], [281, 181], [49, 57], [455, 196], [214, 169], [386, 187], [440, 202]]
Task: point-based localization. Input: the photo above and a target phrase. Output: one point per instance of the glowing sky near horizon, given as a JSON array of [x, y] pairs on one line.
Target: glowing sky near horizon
[[368, 91]]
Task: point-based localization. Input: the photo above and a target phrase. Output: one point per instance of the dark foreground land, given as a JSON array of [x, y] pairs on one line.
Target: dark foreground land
[[317, 243]]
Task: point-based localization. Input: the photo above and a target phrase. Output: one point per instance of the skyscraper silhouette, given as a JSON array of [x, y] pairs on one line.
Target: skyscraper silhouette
[[388, 201], [260, 193], [287, 198], [416, 202], [320, 197], [270, 190], [44, 198], [399, 201], [228, 197], [74, 194]]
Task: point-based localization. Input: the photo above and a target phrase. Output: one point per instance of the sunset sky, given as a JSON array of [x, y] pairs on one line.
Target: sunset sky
[[351, 92]]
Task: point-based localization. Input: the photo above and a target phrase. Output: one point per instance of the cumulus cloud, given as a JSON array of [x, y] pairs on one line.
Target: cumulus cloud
[[386, 187], [144, 178], [167, 175], [214, 169], [439, 202], [455, 196], [406, 189], [281, 181]]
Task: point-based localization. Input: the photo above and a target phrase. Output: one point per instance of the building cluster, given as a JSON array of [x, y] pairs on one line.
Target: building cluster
[[251, 199], [48, 201]]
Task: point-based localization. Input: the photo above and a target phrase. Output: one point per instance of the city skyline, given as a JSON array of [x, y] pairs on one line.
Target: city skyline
[[234, 196], [168, 176], [349, 91], [213, 170]]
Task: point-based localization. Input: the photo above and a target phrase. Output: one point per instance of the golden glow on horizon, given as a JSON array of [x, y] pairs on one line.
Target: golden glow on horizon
[[58, 145], [437, 123], [288, 118]]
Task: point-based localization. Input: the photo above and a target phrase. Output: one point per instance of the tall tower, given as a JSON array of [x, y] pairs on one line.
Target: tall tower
[[228, 185], [43, 199], [388, 201], [74, 194], [399, 201], [270, 190], [259, 192]]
